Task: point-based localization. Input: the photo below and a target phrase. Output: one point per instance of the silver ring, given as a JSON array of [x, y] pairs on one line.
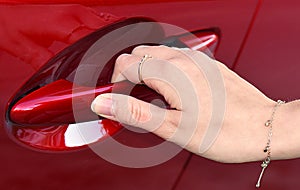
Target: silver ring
[[142, 61]]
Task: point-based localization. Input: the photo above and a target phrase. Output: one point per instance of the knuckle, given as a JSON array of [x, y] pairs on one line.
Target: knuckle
[[173, 118], [122, 59], [163, 47], [160, 48], [135, 115], [140, 48], [166, 49]]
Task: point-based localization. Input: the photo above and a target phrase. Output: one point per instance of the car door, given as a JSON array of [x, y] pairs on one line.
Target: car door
[[28, 165]]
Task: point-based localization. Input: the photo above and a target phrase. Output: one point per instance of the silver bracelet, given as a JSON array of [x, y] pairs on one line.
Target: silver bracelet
[[267, 148]]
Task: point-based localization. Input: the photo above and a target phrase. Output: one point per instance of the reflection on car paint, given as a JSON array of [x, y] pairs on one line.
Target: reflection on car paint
[[65, 137], [80, 134]]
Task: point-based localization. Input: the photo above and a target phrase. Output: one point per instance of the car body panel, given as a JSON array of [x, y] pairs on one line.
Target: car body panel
[[28, 169]]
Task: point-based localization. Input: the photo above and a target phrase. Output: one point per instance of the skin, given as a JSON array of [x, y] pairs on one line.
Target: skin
[[242, 136]]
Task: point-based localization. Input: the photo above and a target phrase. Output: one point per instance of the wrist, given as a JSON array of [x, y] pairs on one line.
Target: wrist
[[286, 133]]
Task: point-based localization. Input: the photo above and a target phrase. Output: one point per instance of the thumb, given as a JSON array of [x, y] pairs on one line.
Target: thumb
[[129, 111]]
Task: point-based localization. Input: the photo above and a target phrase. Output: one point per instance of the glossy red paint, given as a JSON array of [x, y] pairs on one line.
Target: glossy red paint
[[202, 40], [61, 102], [232, 18], [53, 104], [62, 137], [93, 2], [39, 41], [26, 169]]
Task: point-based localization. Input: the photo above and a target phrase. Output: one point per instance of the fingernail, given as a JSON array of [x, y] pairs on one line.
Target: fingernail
[[102, 105]]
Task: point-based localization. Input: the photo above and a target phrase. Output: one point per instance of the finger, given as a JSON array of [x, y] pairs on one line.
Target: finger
[[157, 74], [159, 52], [130, 111], [126, 68]]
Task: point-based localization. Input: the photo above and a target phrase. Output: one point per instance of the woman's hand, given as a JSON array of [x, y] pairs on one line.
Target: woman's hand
[[216, 114], [27, 31]]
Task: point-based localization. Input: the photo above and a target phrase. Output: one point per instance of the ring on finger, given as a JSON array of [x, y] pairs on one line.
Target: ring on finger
[[142, 61]]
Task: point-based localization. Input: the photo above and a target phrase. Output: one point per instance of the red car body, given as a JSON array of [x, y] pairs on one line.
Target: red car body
[[258, 39]]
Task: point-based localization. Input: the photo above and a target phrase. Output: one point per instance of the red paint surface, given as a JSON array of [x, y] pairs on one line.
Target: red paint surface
[[41, 112], [26, 169], [52, 138], [55, 103]]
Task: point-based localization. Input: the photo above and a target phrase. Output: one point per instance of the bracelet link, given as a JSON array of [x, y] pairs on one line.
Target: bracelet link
[[267, 148]]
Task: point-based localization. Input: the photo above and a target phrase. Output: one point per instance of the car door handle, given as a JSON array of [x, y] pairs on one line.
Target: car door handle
[[52, 110], [55, 103]]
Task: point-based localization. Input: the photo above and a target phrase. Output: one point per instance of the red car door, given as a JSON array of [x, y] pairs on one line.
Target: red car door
[[28, 167]]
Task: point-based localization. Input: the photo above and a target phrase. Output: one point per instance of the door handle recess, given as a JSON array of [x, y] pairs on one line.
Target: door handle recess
[[45, 113], [53, 104]]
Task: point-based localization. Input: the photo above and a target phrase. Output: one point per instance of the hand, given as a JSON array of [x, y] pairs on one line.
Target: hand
[[188, 80], [28, 30]]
